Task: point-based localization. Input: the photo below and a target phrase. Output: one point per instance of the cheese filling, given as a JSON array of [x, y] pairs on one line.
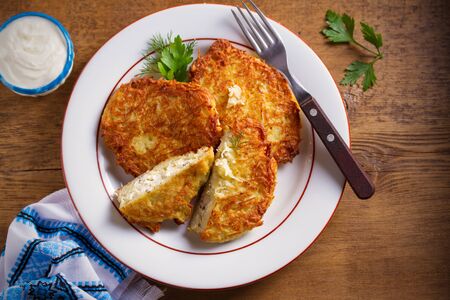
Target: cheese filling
[[235, 96], [146, 182]]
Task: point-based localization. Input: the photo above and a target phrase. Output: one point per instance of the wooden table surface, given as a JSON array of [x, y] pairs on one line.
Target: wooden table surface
[[394, 246]]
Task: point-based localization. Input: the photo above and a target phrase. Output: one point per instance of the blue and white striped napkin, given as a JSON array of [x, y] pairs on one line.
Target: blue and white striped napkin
[[49, 254]]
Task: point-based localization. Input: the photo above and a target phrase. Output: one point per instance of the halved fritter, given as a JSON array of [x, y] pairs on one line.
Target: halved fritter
[[146, 121], [165, 192], [244, 86], [241, 185]]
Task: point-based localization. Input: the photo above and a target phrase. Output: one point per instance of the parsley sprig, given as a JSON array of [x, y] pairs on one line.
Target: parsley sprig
[[171, 57], [340, 30]]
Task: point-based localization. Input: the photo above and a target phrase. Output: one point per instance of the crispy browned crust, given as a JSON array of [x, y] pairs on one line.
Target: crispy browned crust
[[267, 94], [243, 208], [147, 121], [172, 199], [153, 227]]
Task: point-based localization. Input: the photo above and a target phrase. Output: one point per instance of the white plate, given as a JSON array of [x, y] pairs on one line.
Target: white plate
[[307, 193]]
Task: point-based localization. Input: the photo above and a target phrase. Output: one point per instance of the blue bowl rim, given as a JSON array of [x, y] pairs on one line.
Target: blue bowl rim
[[67, 67]]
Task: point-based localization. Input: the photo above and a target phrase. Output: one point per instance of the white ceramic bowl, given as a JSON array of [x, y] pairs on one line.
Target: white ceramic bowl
[[61, 78]]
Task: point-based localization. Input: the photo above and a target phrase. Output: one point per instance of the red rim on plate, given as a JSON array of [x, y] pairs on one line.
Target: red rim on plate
[[160, 243], [312, 164]]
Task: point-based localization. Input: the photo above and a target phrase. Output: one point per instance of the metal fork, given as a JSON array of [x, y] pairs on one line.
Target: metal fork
[[269, 46]]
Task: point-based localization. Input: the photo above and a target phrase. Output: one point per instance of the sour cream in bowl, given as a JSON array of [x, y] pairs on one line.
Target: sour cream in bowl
[[36, 54]]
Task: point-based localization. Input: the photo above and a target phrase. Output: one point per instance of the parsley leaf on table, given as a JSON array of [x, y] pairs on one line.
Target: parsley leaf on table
[[371, 36], [168, 56], [355, 70], [340, 30], [340, 27]]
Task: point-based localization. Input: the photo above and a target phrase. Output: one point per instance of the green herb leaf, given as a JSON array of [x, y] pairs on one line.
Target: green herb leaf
[[371, 36], [236, 141], [170, 75], [168, 56], [349, 24], [369, 78], [340, 28], [162, 69], [158, 43], [357, 69], [168, 59]]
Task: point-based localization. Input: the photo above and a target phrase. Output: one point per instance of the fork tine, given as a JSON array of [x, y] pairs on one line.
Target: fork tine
[[247, 33], [258, 37], [261, 28], [264, 19]]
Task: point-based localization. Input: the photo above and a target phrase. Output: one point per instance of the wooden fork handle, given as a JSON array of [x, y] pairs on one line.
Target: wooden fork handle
[[357, 178]]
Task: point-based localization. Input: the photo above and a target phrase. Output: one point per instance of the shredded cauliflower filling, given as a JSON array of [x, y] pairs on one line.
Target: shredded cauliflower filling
[[223, 168], [235, 96], [146, 182]]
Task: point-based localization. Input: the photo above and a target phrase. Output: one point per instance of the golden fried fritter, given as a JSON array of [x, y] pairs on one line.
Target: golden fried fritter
[[241, 185], [244, 86], [165, 192], [147, 121]]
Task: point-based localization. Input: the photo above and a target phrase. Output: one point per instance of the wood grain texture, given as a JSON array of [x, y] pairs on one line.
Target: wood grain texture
[[394, 246]]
